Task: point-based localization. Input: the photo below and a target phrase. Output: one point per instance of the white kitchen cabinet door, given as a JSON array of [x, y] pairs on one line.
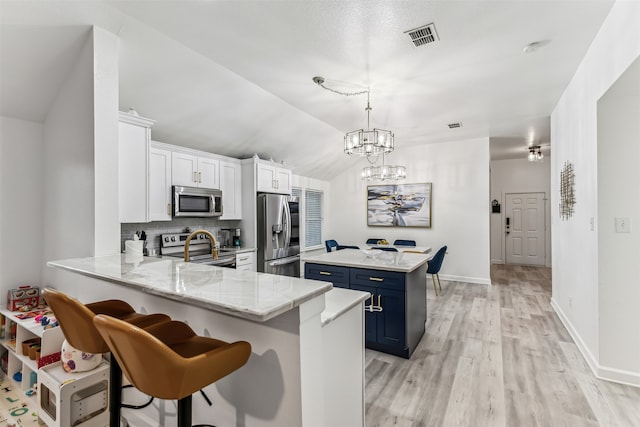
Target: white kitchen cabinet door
[[272, 179], [265, 178], [184, 169], [132, 172], [246, 261], [159, 184], [193, 171], [208, 175], [231, 186], [283, 180]]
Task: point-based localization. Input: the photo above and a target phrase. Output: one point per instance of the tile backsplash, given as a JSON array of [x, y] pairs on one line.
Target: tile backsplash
[[153, 230]]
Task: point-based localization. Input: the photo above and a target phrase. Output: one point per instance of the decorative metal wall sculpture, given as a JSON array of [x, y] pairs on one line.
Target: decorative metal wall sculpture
[[567, 191], [400, 205]]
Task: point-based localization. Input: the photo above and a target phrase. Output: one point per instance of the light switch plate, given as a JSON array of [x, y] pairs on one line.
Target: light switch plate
[[623, 225]]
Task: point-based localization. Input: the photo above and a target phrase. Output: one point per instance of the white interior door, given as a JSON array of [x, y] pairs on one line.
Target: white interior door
[[525, 229]]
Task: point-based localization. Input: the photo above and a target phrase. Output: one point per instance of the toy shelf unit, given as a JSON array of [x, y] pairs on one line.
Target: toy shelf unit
[[17, 364], [74, 399]]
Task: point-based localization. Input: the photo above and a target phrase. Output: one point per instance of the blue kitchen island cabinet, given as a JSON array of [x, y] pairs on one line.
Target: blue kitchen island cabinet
[[396, 312]]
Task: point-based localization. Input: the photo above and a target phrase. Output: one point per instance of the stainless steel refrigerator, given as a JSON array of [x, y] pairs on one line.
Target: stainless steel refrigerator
[[278, 235]]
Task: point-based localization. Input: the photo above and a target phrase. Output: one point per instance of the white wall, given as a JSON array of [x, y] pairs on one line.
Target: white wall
[[69, 186], [21, 208], [459, 172], [618, 154], [105, 95], [574, 138], [517, 176]]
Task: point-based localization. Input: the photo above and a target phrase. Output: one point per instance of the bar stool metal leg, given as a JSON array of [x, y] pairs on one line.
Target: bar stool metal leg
[[184, 412], [115, 393]]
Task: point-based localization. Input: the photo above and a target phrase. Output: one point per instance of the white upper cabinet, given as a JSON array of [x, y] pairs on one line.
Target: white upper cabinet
[[159, 184], [134, 134], [231, 186], [194, 171], [272, 179], [208, 173]]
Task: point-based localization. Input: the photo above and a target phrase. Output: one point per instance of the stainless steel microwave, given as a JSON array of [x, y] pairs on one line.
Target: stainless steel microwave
[[196, 202]]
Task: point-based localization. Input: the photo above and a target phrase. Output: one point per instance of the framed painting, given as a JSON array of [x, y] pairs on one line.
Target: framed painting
[[399, 205]]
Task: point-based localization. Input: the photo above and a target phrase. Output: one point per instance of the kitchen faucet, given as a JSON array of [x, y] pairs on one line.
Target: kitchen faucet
[[214, 249]]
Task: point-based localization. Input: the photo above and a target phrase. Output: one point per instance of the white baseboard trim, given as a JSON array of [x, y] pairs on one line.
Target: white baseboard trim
[[601, 372], [586, 353], [474, 280], [497, 261], [619, 376]]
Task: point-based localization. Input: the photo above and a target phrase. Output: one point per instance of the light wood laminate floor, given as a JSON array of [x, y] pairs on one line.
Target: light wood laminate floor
[[494, 356]]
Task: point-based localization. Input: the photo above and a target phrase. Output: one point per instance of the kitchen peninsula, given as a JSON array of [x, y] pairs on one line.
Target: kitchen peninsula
[[396, 313], [307, 361]]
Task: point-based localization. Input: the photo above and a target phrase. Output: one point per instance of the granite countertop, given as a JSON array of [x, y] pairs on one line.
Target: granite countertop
[[373, 258], [245, 294], [338, 301]]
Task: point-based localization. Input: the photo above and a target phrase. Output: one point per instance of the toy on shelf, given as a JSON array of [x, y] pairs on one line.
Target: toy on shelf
[[23, 298]]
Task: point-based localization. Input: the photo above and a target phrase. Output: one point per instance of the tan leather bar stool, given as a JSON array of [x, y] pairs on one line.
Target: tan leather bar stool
[[76, 321], [188, 362]]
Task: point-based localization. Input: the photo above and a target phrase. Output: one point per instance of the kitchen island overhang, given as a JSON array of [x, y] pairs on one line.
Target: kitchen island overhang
[[285, 319]]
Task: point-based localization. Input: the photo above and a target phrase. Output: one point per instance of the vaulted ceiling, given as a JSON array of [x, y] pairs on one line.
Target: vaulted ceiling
[[235, 77]]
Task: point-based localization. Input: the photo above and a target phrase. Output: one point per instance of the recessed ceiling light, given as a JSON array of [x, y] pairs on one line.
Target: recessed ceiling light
[[532, 47]]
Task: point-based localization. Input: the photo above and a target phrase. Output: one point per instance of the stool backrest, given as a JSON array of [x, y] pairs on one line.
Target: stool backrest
[[169, 361], [373, 241], [76, 322]]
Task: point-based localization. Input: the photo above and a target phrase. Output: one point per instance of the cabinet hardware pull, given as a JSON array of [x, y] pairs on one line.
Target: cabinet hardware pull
[[371, 307], [195, 177], [376, 279], [325, 273], [168, 208], [243, 259], [199, 176]]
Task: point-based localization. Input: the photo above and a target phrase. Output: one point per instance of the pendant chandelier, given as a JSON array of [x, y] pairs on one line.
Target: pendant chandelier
[[369, 143], [535, 154], [384, 172]]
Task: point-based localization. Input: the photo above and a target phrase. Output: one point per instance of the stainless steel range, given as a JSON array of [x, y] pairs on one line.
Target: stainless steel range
[[199, 250]]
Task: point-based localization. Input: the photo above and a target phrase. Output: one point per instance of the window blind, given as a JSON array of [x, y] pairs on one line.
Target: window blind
[[313, 218]]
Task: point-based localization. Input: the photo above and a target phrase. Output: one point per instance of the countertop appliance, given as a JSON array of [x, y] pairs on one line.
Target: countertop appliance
[[199, 250], [196, 202], [278, 235]]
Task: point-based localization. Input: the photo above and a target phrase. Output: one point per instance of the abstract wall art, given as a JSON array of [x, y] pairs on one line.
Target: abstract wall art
[[399, 205], [567, 191]]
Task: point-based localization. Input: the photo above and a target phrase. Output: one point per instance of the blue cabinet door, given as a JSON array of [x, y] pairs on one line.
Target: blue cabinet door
[[391, 326], [370, 318]]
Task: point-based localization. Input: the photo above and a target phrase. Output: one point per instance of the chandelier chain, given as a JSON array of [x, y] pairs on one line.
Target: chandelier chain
[[320, 82]]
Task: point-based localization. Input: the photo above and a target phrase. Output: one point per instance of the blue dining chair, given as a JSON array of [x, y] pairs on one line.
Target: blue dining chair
[[401, 242], [386, 249], [330, 244], [341, 247], [372, 241], [433, 266]]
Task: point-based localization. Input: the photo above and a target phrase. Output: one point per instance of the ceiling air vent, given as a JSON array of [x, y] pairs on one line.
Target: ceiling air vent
[[454, 125], [424, 35]]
